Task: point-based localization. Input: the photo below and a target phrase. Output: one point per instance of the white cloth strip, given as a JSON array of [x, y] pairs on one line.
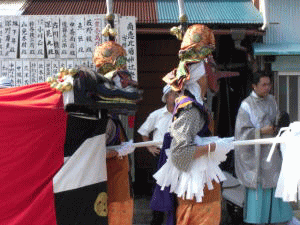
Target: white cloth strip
[[85, 167]]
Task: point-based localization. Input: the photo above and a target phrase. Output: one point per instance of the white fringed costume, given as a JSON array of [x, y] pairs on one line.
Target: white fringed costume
[[202, 171]]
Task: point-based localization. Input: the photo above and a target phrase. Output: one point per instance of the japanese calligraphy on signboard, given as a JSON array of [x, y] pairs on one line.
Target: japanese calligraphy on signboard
[[38, 46]]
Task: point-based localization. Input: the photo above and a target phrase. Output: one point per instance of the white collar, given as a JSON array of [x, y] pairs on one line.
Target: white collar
[[165, 109], [256, 96]]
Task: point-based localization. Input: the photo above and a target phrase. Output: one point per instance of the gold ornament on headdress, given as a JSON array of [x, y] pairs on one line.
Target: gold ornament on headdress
[[198, 42], [177, 31], [109, 56], [109, 31], [197, 45]]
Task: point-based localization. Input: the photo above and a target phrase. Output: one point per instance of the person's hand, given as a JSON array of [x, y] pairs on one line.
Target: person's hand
[[111, 154], [268, 130], [153, 150], [204, 150], [213, 147]]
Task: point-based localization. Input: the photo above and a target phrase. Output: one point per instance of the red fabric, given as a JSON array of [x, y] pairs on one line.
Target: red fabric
[[32, 136], [131, 120]]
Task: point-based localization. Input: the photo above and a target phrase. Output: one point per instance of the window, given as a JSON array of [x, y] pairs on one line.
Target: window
[[288, 94]]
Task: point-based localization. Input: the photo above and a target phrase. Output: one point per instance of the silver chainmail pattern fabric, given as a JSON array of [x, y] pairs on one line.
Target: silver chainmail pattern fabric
[[184, 130]]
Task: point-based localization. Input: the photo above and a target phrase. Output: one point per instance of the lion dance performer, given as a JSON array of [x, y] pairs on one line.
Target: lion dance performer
[[110, 61], [191, 169]]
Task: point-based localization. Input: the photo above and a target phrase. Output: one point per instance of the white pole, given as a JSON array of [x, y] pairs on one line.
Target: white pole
[[181, 8], [260, 141], [274, 141], [138, 144], [109, 6], [244, 142]]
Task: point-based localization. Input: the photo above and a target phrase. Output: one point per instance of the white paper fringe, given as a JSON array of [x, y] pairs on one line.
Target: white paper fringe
[[288, 184], [202, 172]]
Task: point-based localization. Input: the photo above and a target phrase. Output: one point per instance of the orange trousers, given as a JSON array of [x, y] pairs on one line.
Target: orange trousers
[[120, 213], [207, 212]]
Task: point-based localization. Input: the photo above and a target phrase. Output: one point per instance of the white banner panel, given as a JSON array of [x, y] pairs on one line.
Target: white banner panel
[[70, 64], [39, 40], [128, 41], [55, 67], [19, 72], [24, 37], [89, 32], [26, 72], [32, 20], [47, 43], [4, 68], [80, 36], [72, 37], [56, 36], [2, 47], [41, 71], [33, 72], [98, 29], [48, 68], [10, 36], [49, 38], [12, 72]]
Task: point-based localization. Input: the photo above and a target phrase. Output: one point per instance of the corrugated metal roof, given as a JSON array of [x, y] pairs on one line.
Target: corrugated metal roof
[[286, 63], [276, 49], [144, 10], [210, 11], [155, 11], [284, 21]]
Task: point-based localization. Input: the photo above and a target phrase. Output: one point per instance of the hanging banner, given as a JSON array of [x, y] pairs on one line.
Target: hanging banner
[[32, 36], [12, 72], [70, 64], [89, 31], [26, 72], [55, 67], [19, 73], [80, 36], [72, 37], [62, 64], [76, 63], [24, 37], [4, 68], [10, 36], [41, 71], [1, 37], [64, 48], [39, 40], [67, 37], [98, 29], [45, 44], [49, 38], [128, 42], [33, 72], [48, 68], [56, 36]]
